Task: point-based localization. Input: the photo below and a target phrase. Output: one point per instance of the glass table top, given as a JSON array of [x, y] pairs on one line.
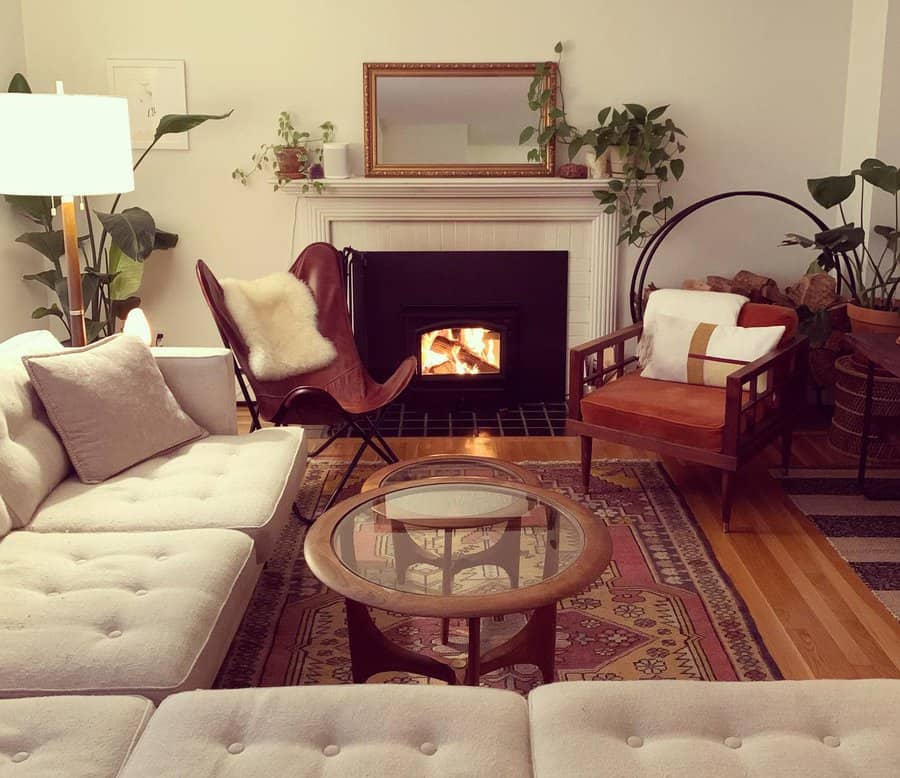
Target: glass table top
[[448, 539], [452, 467]]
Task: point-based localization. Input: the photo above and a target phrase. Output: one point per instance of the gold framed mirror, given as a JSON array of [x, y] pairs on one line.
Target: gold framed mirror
[[453, 119]]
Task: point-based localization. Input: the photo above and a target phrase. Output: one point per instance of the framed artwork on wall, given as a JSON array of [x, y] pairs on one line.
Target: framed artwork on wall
[[153, 87]]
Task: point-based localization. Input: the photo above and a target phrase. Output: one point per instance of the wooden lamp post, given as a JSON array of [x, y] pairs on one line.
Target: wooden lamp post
[[61, 146]]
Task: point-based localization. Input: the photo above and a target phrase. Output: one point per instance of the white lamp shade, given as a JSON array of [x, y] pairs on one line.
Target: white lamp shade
[[64, 145]]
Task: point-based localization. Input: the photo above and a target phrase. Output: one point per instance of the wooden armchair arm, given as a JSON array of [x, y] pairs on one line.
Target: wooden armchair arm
[[580, 373], [784, 370]]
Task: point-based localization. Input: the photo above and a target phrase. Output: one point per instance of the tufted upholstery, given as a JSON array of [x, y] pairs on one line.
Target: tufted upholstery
[[337, 732], [691, 730], [243, 482], [32, 457], [146, 613], [75, 737]]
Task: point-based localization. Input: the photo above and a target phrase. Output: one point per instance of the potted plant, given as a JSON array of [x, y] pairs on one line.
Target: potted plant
[[114, 250], [870, 271], [292, 157], [643, 151]]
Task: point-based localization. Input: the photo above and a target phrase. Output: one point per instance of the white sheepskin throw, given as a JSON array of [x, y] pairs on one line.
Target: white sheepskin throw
[[276, 315]]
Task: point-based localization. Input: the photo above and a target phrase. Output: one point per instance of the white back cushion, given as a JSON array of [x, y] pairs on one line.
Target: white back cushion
[[32, 458]]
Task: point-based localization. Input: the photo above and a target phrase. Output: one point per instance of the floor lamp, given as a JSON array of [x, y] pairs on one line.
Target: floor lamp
[[62, 146]]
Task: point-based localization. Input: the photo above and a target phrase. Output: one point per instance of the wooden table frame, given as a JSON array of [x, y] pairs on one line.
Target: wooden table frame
[[371, 652]]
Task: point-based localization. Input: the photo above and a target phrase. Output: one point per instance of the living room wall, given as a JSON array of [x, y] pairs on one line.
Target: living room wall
[[759, 87], [17, 299]]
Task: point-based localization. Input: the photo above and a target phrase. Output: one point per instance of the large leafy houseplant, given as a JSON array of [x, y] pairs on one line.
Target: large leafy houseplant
[[870, 272], [113, 251], [291, 157], [648, 145]]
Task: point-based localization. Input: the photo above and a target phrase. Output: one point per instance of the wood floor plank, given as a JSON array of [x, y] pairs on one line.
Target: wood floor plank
[[814, 613]]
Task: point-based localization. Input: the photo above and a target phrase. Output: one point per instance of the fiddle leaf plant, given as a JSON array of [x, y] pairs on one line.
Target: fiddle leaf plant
[[649, 148], [113, 249]]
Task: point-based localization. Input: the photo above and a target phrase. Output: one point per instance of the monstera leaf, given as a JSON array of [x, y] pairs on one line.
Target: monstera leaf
[[832, 190], [133, 231]]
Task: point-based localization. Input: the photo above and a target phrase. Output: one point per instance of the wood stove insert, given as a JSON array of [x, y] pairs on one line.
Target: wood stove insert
[[488, 329]]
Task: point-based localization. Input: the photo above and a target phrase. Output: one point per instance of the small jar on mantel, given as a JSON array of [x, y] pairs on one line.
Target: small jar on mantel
[[597, 165]]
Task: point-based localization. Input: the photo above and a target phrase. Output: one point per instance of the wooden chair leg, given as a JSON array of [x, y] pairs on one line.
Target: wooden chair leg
[[727, 499], [786, 443], [587, 449]]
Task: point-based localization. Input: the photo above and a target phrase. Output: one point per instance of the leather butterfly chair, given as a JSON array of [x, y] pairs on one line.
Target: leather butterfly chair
[[342, 394]]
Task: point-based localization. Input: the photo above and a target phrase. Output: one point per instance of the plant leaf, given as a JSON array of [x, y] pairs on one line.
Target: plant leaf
[[164, 240], [93, 329], [831, 190], [657, 112], [525, 135], [601, 117], [889, 234], [885, 177], [574, 147], [46, 277], [173, 123], [19, 84], [558, 47], [53, 310], [50, 244], [677, 167], [121, 308], [133, 231], [638, 111], [128, 274], [32, 207]]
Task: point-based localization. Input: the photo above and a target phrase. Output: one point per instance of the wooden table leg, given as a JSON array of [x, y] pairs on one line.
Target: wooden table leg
[[473, 667], [867, 425], [534, 644], [447, 573], [371, 652]]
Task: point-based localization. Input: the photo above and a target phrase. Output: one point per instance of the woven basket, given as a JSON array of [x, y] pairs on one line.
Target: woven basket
[[845, 434]]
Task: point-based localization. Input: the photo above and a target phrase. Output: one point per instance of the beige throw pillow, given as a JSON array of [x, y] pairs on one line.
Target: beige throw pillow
[[692, 352], [110, 405]]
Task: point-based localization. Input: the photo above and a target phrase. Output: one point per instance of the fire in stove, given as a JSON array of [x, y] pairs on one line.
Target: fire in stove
[[460, 351]]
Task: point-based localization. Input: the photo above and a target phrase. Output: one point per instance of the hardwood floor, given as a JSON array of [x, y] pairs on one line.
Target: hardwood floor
[[815, 615]]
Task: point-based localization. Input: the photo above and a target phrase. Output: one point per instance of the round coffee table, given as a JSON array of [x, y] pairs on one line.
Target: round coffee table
[[456, 548]]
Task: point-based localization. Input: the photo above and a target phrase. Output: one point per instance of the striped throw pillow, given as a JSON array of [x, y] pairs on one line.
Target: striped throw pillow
[[692, 352]]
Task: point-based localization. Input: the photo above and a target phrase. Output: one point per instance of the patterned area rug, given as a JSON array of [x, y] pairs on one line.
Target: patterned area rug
[[864, 532], [663, 609]]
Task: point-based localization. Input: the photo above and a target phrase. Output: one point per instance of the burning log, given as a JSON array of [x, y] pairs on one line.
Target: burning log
[[456, 350]]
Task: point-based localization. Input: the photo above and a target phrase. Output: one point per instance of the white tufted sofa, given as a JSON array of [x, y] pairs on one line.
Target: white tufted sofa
[[593, 729], [135, 585]]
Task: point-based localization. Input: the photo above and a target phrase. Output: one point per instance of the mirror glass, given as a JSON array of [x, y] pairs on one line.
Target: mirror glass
[[456, 120]]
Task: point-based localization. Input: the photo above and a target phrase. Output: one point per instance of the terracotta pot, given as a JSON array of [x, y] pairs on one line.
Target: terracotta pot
[[870, 320], [291, 162]]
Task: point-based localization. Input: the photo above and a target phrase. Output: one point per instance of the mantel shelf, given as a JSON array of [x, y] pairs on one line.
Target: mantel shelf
[[453, 187]]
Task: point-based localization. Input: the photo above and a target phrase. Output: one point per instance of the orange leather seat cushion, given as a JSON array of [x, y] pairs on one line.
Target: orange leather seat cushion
[[687, 414]]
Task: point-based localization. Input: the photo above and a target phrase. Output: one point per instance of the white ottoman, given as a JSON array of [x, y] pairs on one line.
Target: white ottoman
[[148, 613], [76, 737], [694, 729], [337, 732]]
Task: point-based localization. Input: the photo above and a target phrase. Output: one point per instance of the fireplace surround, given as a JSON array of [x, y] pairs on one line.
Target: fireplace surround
[[487, 328]]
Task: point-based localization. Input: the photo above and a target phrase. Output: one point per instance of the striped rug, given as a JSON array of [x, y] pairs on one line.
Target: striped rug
[[865, 532]]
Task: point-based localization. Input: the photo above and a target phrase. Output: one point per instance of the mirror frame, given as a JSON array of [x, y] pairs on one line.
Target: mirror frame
[[374, 70]]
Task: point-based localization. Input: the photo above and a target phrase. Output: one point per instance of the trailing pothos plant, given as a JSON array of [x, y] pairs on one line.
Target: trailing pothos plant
[[113, 251], [648, 145], [872, 274]]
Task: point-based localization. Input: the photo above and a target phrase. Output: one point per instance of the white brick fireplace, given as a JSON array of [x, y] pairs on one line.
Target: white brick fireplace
[[478, 214]]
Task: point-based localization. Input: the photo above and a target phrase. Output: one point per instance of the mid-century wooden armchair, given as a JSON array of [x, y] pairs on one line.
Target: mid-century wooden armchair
[[608, 398]]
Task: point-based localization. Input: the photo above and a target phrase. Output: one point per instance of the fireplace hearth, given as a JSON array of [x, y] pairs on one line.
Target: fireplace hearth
[[487, 328]]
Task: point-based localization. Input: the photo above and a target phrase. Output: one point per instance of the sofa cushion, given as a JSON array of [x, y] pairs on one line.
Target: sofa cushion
[[337, 732], [679, 413], [76, 737], [145, 613], [718, 729], [245, 482], [110, 405], [32, 457]]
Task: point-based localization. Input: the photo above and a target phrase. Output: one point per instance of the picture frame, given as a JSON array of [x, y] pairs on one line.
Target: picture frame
[[153, 88]]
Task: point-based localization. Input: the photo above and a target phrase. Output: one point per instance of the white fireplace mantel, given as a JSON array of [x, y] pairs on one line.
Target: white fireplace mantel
[[488, 214]]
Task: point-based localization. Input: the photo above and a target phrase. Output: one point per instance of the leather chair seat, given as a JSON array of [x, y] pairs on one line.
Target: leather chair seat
[[685, 414]]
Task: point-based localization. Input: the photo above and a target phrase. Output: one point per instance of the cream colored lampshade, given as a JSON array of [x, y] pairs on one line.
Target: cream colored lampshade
[[64, 145], [136, 324]]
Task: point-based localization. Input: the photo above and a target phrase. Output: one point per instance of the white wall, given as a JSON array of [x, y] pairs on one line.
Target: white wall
[[888, 146], [17, 299], [759, 87]]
